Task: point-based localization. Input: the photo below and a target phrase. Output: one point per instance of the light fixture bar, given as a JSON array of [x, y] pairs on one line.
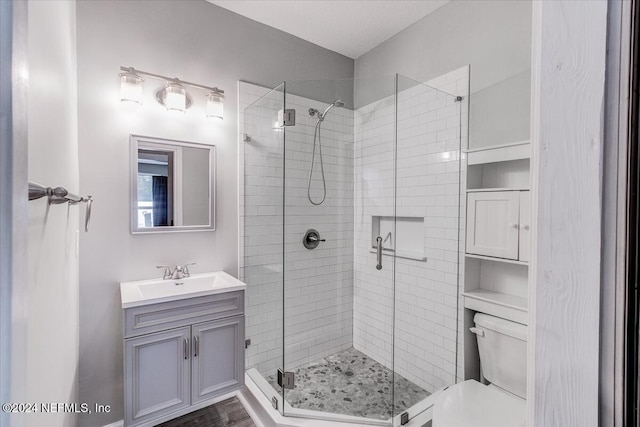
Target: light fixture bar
[[161, 77]]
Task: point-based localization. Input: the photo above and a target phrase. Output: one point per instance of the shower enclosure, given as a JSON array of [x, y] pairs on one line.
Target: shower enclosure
[[350, 205]]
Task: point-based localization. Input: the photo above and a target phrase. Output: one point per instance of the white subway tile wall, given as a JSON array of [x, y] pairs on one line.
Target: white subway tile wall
[[425, 302], [318, 282], [334, 297]]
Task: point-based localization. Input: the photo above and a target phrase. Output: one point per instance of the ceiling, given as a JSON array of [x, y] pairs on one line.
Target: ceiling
[[349, 27]]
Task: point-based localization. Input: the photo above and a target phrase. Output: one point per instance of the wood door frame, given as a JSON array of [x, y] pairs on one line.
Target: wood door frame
[[614, 214], [567, 133]]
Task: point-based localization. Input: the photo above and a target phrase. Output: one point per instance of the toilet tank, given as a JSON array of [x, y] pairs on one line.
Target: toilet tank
[[502, 345]]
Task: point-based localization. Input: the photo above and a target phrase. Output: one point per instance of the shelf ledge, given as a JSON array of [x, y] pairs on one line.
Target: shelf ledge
[[480, 190], [498, 153], [496, 147], [489, 258], [497, 304], [510, 301]]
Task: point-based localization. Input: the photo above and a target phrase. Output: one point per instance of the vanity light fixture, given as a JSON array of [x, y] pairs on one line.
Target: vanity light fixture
[[173, 94], [130, 87], [215, 105], [174, 97]]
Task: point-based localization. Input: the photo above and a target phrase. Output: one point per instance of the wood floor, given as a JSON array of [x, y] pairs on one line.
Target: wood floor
[[228, 413]]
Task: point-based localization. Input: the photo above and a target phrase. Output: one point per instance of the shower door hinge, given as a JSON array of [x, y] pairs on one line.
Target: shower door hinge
[[286, 379], [404, 418], [287, 117]]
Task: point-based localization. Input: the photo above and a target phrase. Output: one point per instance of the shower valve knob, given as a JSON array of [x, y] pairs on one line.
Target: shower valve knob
[[312, 239]]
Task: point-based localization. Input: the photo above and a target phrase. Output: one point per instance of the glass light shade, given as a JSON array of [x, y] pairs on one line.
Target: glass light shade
[[175, 97], [215, 105], [130, 88]]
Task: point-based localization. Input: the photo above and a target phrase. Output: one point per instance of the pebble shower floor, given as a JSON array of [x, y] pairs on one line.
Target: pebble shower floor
[[351, 383]]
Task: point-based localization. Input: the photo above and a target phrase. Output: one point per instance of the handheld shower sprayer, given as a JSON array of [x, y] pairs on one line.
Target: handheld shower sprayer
[[316, 138], [337, 103]]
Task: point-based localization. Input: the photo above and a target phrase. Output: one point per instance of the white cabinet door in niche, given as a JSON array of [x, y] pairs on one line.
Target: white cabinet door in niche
[[492, 223]]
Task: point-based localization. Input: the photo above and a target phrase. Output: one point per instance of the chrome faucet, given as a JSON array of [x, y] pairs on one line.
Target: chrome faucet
[[179, 272]]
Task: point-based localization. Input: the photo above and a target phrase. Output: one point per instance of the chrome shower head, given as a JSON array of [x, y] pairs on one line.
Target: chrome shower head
[[337, 103]]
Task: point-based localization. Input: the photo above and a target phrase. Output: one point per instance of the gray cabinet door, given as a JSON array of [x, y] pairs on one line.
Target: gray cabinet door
[[157, 375], [218, 358]]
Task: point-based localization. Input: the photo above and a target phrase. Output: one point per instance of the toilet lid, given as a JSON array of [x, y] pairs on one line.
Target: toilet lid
[[471, 404]]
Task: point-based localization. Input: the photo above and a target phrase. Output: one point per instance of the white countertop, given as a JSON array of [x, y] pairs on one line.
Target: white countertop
[[153, 291]]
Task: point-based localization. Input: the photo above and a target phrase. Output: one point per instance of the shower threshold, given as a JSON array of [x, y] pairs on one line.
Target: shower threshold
[[350, 385]]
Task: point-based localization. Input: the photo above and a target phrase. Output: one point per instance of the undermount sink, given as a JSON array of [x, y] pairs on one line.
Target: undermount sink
[[153, 291]]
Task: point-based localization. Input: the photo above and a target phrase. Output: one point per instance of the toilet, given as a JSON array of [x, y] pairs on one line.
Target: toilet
[[502, 345]]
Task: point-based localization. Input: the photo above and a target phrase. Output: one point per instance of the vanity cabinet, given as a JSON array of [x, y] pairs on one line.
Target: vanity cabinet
[[498, 224], [179, 355], [218, 346], [157, 372]]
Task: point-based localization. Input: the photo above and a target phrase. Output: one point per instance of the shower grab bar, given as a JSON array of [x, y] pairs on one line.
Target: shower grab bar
[[59, 195], [379, 252]]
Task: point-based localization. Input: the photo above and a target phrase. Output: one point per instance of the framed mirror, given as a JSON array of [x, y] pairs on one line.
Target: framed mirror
[[172, 185]]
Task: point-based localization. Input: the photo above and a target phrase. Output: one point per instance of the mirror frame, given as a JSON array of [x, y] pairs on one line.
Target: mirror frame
[[135, 142]]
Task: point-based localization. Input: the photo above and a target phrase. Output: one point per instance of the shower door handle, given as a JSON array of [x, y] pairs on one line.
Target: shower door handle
[[379, 252]]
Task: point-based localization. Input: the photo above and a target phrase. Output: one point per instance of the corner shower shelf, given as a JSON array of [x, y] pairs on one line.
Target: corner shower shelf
[[508, 307], [490, 258], [409, 236], [498, 153]]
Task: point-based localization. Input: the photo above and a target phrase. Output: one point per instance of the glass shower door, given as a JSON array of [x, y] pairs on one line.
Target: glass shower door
[[338, 261], [262, 234], [427, 255]]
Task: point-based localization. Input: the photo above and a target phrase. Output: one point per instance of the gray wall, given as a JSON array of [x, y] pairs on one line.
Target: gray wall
[[52, 331], [196, 41], [500, 113], [493, 36]]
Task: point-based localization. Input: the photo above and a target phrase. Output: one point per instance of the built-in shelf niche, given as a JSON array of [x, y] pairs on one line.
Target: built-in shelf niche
[[491, 285], [508, 174], [409, 236], [497, 288]]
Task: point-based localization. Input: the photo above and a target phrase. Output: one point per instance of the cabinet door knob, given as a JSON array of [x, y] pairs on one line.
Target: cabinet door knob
[[196, 346], [186, 348], [524, 226], [516, 226]]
